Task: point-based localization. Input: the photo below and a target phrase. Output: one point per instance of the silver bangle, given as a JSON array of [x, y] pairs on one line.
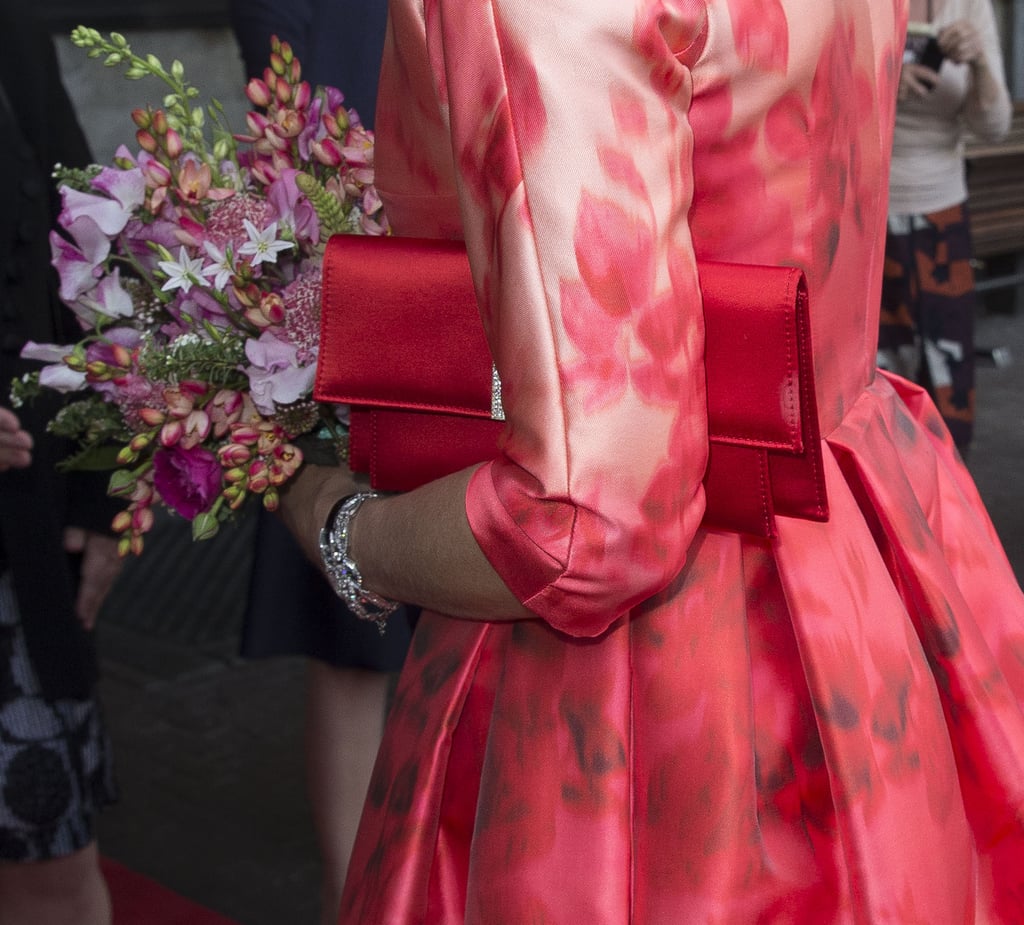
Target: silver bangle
[[342, 570]]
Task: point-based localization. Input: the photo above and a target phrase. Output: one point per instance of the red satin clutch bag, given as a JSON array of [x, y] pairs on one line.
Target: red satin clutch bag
[[402, 344]]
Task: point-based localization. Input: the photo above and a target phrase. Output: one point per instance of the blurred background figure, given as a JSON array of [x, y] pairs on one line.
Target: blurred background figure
[[952, 82], [291, 609], [56, 561]]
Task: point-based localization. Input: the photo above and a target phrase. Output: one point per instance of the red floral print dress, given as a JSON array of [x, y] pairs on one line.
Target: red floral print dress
[[700, 727]]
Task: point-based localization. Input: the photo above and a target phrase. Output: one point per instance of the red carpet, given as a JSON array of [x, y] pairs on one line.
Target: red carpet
[[140, 900]]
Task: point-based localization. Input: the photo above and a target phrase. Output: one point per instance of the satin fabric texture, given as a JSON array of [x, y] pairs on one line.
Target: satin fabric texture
[[699, 726]]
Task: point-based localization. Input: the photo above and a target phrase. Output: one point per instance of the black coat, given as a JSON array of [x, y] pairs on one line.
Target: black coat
[[39, 128], [338, 42]]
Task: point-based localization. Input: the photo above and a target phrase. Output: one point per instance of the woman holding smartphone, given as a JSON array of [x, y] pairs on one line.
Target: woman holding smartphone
[[951, 82]]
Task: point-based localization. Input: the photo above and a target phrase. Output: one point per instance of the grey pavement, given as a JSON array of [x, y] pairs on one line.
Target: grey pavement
[[209, 747]]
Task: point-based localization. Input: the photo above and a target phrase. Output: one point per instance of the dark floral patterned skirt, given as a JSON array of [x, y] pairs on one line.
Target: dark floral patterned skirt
[[928, 308], [55, 762]]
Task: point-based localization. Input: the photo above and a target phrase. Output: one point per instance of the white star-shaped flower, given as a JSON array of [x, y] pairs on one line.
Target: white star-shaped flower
[[184, 273], [222, 268], [263, 246]]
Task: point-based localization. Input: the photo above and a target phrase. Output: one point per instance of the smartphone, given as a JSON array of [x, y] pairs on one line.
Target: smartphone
[[922, 46]]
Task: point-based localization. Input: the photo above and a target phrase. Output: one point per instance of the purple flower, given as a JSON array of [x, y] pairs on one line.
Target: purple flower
[[110, 215], [77, 264], [108, 298], [188, 480], [275, 377], [291, 208], [56, 375], [125, 187]]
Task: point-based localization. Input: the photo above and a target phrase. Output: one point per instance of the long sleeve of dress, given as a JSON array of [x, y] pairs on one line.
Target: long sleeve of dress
[[575, 217]]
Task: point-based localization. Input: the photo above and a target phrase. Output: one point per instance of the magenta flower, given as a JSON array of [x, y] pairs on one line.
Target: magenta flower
[[188, 480]]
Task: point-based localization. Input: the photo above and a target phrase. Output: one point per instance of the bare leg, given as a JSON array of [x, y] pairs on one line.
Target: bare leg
[[64, 891], [345, 710]]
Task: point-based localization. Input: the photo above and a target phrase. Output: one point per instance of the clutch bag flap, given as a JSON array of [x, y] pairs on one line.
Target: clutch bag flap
[[402, 344]]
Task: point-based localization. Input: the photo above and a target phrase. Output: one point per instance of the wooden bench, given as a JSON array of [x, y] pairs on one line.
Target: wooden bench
[[995, 197]]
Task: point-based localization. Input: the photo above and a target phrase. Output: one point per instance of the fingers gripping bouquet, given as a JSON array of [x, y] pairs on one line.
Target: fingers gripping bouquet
[[193, 267]]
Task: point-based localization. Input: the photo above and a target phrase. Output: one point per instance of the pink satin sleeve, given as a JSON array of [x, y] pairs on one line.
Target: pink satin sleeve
[[574, 209]]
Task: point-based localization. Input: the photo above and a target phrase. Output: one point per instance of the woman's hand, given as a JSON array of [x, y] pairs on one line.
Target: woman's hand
[[960, 41], [100, 567], [15, 442], [916, 81]]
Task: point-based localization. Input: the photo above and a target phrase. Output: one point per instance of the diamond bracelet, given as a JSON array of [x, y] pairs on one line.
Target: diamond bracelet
[[342, 570]]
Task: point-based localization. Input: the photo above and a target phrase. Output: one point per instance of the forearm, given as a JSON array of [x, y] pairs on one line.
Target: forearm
[[988, 104], [415, 547], [418, 547]]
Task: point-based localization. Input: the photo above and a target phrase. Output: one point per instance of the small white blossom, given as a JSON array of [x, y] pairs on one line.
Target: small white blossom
[[222, 268], [263, 246], [184, 273]]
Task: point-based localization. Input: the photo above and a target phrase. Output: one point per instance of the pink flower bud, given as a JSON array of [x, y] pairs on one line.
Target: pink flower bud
[[173, 144], [271, 499], [272, 136], [234, 476], [277, 64], [122, 484], [283, 92], [142, 118], [171, 433], [159, 122], [258, 92], [205, 526], [234, 454], [135, 545], [146, 141], [122, 521], [302, 95], [142, 519], [245, 434], [257, 123], [122, 356], [152, 417], [143, 493], [139, 442], [327, 152]]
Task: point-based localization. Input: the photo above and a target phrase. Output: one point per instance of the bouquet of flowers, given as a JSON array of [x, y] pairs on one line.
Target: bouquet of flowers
[[193, 266]]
